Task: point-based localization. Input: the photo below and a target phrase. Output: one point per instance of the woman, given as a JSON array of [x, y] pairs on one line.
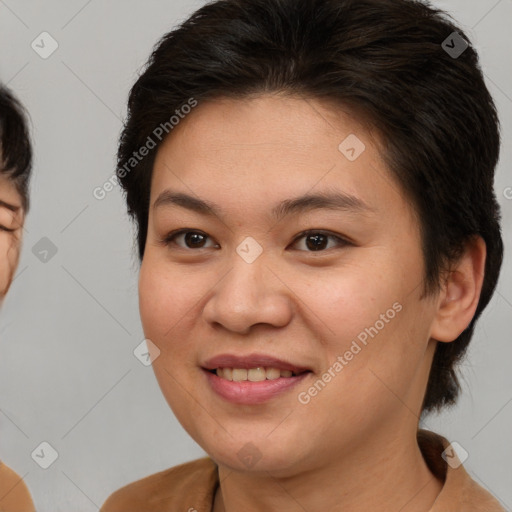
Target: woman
[[318, 234], [15, 167]]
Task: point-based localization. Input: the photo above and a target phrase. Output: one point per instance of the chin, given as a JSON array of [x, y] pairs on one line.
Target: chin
[[255, 456]]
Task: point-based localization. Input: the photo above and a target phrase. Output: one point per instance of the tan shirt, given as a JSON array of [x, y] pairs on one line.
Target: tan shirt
[[14, 495], [191, 487]]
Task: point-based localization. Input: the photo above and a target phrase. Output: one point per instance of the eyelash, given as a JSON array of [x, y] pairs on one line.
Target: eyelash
[[342, 242]]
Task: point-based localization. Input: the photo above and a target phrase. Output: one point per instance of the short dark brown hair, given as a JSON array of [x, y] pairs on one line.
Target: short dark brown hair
[[385, 60], [15, 145]]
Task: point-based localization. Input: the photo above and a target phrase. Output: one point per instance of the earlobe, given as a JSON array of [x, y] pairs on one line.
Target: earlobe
[[460, 293]]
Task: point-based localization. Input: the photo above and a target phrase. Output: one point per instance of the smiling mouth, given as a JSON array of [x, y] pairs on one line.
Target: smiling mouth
[[252, 379], [258, 374]]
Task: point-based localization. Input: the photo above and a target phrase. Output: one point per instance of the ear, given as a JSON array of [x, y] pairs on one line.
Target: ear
[[460, 293]]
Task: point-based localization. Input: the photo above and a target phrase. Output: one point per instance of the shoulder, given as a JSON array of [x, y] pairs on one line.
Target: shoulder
[[460, 492], [14, 495], [191, 485]]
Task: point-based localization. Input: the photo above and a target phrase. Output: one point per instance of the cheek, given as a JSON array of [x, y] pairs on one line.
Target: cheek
[[347, 301], [166, 300], [9, 256], [170, 309], [367, 315], [165, 296]]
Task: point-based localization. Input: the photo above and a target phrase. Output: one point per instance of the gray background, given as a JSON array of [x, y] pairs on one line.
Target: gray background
[[68, 329]]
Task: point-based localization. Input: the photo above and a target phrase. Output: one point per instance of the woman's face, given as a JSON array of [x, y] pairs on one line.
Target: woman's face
[[246, 290], [11, 225]]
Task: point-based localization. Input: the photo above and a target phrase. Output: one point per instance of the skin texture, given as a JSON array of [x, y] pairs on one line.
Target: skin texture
[[14, 495], [11, 226], [353, 446]]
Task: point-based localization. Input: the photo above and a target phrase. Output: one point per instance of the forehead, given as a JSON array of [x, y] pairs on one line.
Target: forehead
[[269, 147], [261, 122]]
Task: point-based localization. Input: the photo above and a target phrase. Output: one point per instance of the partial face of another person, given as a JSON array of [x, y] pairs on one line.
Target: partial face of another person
[[328, 291], [11, 226]]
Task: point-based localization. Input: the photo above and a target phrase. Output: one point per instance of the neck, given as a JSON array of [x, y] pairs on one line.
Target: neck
[[384, 473]]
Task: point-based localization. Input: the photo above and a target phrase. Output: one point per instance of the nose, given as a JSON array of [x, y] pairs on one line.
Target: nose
[[248, 295]]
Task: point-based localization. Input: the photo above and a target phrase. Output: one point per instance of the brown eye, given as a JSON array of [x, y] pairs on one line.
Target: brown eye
[[192, 239], [317, 241]]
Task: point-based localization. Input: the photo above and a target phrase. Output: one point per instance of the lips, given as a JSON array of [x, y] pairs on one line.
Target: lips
[[231, 377], [252, 361]]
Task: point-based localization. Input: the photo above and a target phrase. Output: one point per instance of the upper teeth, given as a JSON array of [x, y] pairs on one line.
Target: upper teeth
[[253, 374]]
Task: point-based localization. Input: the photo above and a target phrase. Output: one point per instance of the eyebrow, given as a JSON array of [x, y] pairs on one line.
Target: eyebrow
[[334, 200], [9, 206]]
